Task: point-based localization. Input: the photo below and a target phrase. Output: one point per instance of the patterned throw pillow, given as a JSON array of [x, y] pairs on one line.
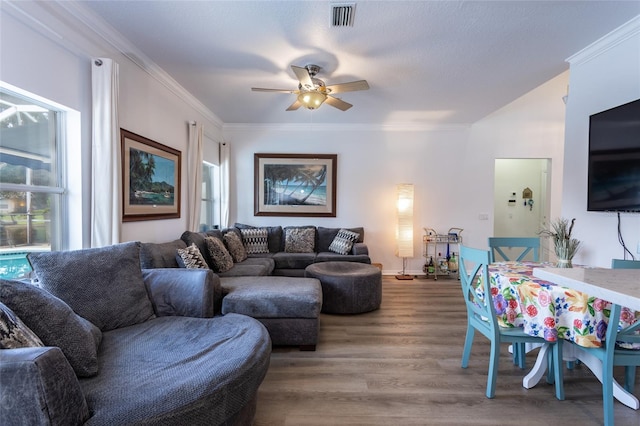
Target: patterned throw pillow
[[255, 240], [13, 332], [191, 258], [235, 246], [343, 241], [222, 260], [299, 240]]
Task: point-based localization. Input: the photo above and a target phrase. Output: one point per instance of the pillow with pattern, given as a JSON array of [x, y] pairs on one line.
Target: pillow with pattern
[[255, 240], [234, 244], [220, 256], [299, 240], [14, 333], [343, 241], [191, 258]]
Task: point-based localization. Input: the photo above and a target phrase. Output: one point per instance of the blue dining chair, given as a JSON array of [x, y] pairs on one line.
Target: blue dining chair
[[611, 354], [527, 244], [625, 264], [481, 316]]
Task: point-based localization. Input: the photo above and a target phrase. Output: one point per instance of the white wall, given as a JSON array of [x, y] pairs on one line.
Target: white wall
[[603, 75], [41, 54], [452, 169]]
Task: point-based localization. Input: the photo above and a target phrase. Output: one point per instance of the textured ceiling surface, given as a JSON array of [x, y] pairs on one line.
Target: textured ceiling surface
[[427, 62]]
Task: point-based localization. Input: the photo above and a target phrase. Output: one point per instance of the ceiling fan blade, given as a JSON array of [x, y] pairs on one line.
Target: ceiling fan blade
[[337, 103], [303, 77], [294, 106], [348, 87], [260, 89]]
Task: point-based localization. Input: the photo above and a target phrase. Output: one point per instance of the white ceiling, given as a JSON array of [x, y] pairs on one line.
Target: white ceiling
[[427, 62]]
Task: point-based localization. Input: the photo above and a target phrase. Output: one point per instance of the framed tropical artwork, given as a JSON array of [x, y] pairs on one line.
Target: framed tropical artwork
[[150, 179], [295, 185]]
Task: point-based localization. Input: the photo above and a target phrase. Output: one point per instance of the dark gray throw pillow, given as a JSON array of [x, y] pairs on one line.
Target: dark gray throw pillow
[[103, 285], [234, 244], [14, 333], [55, 324], [220, 256]]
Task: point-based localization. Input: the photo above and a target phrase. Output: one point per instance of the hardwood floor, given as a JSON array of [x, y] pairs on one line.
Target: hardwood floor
[[400, 365]]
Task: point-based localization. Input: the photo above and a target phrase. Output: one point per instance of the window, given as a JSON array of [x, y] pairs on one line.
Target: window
[[210, 208], [31, 179]]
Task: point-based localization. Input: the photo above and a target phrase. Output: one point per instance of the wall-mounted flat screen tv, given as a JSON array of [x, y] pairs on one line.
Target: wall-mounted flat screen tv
[[614, 159]]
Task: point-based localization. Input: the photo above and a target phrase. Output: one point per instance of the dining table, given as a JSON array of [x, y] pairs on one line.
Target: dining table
[[560, 310]]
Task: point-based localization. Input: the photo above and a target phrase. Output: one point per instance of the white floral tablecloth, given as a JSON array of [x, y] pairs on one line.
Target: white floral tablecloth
[[548, 310]]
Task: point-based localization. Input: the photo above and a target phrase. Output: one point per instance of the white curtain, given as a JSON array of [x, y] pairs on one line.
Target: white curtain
[[194, 169], [106, 204], [224, 185]]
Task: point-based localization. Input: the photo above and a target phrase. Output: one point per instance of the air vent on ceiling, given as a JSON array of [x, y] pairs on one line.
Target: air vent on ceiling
[[342, 14]]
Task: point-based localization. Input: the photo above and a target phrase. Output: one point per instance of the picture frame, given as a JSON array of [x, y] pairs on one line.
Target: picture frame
[[151, 174], [295, 185]]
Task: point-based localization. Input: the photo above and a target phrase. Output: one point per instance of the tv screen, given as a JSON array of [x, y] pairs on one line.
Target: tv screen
[[614, 159]]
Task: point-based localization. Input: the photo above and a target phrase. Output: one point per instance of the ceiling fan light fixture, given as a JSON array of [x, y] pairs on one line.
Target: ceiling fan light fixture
[[312, 100]]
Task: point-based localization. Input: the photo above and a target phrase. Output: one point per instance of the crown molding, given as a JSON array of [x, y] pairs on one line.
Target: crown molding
[[619, 35], [81, 31]]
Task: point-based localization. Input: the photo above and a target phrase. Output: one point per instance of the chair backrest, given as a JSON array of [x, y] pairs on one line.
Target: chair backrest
[[473, 267], [625, 264], [528, 244]]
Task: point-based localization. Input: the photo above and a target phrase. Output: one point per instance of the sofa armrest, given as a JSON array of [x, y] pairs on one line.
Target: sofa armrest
[[183, 292], [39, 387], [360, 248]]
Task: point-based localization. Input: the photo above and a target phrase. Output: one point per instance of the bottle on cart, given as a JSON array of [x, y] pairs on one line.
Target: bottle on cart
[[442, 263], [431, 268], [453, 263]]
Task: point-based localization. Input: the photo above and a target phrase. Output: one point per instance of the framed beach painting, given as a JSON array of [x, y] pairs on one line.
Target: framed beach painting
[[295, 185], [150, 179]]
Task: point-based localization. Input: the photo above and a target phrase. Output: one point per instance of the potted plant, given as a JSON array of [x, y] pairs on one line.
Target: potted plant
[[564, 246]]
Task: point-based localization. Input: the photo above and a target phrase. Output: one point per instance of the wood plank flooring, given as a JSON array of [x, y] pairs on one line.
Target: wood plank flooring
[[400, 365]]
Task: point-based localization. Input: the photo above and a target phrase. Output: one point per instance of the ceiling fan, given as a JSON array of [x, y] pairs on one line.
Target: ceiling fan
[[312, 92]]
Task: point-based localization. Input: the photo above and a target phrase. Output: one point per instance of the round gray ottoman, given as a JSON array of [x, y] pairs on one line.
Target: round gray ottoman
[[347, 287]]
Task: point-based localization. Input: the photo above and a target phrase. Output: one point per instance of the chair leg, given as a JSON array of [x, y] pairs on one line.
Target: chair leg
[[468, 342], [519, 354], [629, 378], [607, 393], [492, 375]]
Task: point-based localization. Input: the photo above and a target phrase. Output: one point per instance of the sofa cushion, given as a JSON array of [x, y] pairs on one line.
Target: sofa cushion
[[178, 371], [103, 285], [272, 297], [343, 241], [299, 239], [160, 255], [293, 260], [327, 235], [14, 333], [190, 258], [233, 242], [220, 256], [274, 236], [255, 240], [55, 323], [251, 267]]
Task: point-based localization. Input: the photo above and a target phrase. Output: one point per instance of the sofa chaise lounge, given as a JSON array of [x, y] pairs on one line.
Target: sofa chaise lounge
[[117, 345]]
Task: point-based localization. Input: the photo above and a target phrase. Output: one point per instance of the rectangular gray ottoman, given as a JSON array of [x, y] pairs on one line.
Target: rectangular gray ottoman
[[288, 307]]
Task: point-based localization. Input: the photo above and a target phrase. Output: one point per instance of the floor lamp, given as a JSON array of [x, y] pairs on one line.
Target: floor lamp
[[404, 231]]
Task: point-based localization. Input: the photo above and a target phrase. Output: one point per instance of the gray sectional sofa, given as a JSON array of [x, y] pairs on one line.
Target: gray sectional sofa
[[115, 344], [276, 261], [270, 285]]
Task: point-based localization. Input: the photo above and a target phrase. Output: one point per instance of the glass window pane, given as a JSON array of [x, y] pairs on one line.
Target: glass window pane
[[27, 142]]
